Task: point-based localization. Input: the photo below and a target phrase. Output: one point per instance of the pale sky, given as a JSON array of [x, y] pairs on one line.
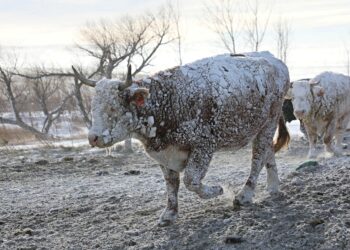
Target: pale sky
[[45, 31]]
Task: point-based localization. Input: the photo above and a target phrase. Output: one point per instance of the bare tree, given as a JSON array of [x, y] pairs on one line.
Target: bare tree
[[80, 93], [50, 96], [224, 20], [7, 79], [129, 40], [3, 101], [282, 34], [256, 24], [176, 16], [83, 101], [39, 90]]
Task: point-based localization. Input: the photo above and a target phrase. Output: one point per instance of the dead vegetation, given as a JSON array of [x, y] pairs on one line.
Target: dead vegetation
[[15, 135]]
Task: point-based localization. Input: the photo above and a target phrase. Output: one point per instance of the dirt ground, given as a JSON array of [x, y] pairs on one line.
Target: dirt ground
[[78, 198]]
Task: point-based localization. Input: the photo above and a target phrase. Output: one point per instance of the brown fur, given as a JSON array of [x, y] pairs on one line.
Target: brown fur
[[283, 137]]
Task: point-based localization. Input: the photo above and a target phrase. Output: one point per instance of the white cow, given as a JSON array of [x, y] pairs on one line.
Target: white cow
[[323, 104], [183, 115]]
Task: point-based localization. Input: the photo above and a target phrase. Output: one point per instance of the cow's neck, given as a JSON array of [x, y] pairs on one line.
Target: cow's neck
[[151, 124]]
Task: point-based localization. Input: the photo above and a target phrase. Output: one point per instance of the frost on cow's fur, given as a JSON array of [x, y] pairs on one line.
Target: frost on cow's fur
[[221, 102], [325, 101]]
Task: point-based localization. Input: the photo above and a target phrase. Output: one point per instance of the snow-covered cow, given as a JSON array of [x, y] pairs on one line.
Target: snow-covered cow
[[323, 103], [184, 114]]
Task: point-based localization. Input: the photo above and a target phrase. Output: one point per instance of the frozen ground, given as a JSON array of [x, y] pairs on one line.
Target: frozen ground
[[77, 198]]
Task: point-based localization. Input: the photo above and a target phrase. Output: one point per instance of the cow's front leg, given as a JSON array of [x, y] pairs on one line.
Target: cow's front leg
[[312, 134], [196, 168], [172, 181], [328, 138]]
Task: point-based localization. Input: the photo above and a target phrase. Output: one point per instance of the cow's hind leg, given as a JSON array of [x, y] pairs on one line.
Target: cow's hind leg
[[172, 181], [261, 155], [271, 169], [196, 168], [312, 135], [328, 138], [339, 133]]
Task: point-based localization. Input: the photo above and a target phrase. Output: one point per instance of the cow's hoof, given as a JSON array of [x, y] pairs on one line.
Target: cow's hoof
[[164, 223], [241, 202], [209, 192], [330, 154], [273, 189], [237, 203], [245, 197], [278, 196], [167, 218]]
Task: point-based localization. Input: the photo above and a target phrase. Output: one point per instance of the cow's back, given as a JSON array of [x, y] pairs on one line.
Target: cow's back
[[336, 92], [226, 98], [230, 72]]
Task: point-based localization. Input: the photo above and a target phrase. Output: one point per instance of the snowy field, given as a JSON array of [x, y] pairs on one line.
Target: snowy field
[[68, 125], [70, 196]]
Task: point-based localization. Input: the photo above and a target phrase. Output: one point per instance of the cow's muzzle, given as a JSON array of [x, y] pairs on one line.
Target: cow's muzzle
[[93, 139]]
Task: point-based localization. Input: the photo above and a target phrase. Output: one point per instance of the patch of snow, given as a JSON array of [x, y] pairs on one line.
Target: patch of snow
[[294, 129]]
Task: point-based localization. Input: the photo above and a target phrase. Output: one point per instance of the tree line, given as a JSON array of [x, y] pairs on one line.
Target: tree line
[[112, 45]]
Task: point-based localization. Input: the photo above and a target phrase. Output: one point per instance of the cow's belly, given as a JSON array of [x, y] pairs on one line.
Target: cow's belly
[[172, 157]]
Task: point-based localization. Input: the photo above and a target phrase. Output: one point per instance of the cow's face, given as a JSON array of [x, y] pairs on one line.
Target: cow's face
[[112, 120], [303, 93]]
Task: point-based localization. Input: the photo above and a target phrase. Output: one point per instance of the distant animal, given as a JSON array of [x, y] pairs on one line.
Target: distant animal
[[323, 103], [185, 114]]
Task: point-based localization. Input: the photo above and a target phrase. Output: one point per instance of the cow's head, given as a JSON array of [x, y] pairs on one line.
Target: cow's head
[[303, 93], [112, 119]]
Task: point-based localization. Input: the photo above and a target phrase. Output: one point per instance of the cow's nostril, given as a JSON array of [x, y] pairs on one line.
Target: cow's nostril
[[93, 139]]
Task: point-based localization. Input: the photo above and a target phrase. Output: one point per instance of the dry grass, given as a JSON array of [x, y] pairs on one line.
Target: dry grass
[[15, 135], [18, 136]]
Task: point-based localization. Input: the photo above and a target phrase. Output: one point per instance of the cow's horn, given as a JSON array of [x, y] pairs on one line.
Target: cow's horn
[[128, 80], [89, 82], [313, 82]]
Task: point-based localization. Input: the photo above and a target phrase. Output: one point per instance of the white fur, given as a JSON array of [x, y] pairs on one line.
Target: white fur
[[172, 157], [272, 180], [326, 102]]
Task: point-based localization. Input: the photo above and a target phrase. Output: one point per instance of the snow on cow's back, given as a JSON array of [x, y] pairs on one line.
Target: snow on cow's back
[[237, 71], [334, 84], [280, 67]]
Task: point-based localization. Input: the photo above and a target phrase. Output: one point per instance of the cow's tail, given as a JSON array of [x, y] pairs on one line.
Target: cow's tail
[[283, 136]]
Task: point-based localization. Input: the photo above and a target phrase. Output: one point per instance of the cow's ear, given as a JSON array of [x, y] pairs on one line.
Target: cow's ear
[[318, 90], [139, 97]]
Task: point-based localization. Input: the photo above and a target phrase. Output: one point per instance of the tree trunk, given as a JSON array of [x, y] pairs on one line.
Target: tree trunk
[[79, 98]]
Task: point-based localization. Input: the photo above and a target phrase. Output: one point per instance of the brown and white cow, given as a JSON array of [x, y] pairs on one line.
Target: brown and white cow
[[323, 103], [184, 114]]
